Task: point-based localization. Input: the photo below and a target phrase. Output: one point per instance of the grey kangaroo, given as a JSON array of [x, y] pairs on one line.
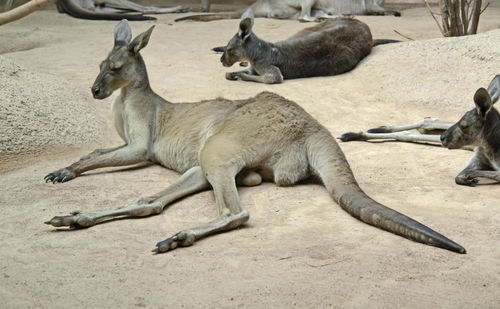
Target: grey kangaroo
[[111, 9], [332, 47], [303, 10], [479, 129], [218, 144]]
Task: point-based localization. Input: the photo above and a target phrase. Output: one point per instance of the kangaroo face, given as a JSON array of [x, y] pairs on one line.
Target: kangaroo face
[[236, 49], [117, 70], [234, 52], [464, 132], [121, 67], [469, 129]]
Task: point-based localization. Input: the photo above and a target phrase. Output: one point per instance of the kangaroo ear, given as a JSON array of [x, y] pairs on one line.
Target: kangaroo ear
[[483, 101], [494, 89], [140, 41], [123, 34], [246, 24], [248, 14]]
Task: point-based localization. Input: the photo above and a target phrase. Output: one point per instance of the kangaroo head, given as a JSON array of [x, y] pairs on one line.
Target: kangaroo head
[[236, 49], [469, 129], [124, 64]]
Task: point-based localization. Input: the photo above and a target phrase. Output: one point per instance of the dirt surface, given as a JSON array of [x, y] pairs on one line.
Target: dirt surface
[[299, 248]]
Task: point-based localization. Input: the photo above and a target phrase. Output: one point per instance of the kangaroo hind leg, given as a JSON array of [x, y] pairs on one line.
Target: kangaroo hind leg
[[220, 163], [428, 129], [292, 166], [190, 182]]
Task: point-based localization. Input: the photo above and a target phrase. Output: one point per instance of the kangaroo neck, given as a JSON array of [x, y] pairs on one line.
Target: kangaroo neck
[[133, 89], [491, 133], [259, 50], [139, 84]]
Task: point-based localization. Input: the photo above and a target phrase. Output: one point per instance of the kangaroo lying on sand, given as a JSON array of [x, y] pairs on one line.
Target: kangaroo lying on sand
[[479, 128], [333, 47], [303, 10], [218, 144], [111, 9]]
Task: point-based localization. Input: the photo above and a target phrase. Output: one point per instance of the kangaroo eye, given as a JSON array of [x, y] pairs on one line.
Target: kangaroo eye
[[464, 127], [116, 69]]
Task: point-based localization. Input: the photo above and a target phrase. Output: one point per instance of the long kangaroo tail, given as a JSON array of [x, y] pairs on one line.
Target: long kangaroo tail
[[384, 41], [328, 162], [70, 8], [211, 17]]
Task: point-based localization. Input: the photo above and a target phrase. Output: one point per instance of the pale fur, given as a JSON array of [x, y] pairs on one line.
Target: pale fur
[[304, 10]]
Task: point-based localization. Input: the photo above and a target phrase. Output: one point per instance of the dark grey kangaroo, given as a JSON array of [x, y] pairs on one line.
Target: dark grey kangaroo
[[217, 144], [333, 47], [479, 129]]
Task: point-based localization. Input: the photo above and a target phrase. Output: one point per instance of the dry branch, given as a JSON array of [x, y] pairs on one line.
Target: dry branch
[[457, 18], [433, 16], [22, 11], [476, 12]]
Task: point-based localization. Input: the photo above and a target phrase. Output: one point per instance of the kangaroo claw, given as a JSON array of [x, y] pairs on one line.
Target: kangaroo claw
[[74, 221], [182, 239]]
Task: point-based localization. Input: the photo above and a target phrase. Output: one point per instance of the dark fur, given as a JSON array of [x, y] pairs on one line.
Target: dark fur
[[479, 127], [352, 136], [329, 48], [332, 47]]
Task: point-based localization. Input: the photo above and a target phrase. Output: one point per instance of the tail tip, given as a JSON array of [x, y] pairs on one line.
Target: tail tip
[[448, 244], [181, 19], [458, 249]]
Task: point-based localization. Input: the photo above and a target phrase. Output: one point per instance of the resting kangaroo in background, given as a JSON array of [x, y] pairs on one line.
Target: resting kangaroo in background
[[479, 128], [111, 9], [332, 47], [218, 144], [303, 10]]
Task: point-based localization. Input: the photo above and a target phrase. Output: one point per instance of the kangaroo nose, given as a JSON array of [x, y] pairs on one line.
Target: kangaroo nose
[[96, 90], [442, 138]]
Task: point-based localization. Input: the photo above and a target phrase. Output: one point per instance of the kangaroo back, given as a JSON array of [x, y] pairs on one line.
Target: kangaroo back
[[211, 17], [329, 164]]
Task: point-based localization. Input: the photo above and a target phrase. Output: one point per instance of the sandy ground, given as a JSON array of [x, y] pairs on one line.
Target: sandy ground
[[299, 249]]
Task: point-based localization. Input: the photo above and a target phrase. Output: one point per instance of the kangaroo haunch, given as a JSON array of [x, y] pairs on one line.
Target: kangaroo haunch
[[218, 144]]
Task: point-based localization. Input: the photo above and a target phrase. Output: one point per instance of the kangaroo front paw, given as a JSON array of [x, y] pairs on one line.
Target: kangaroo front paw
[[466, 180], [61, 175], [232, 75], [75, 220], [182, 239]]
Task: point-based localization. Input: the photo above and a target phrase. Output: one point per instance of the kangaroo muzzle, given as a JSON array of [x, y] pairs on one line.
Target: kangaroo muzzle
[[96, 90], [223, 60]]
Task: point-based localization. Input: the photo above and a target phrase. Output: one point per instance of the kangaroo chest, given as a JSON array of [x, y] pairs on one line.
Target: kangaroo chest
[[182, 130], [135, 123]]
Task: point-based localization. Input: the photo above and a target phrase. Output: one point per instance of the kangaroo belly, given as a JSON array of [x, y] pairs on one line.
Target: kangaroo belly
[[174, 154]]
